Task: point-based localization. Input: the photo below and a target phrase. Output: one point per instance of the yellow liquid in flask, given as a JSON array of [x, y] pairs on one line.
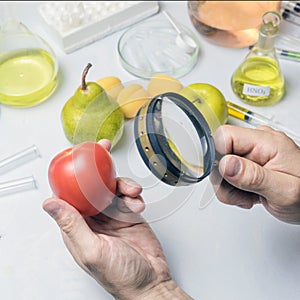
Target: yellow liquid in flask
[[27, 77], [258, 81]]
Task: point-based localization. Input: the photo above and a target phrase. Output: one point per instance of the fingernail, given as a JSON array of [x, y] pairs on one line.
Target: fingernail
[[52, 209], [230, 167]]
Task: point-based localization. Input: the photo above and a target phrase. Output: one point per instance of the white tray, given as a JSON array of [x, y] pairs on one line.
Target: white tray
[[79, 23]]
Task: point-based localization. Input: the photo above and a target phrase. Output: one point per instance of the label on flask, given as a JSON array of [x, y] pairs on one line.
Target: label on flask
[[256, 90]]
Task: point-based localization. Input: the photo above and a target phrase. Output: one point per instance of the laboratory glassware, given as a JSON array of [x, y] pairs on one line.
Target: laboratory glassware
[[258, 80]]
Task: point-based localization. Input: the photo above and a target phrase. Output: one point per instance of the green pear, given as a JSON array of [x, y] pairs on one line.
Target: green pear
[[90, 114]]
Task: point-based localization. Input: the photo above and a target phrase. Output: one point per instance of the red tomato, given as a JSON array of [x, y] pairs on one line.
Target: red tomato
[[84, 176]]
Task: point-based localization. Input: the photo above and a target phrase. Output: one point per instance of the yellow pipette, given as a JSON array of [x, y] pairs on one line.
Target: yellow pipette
[[256, 119]]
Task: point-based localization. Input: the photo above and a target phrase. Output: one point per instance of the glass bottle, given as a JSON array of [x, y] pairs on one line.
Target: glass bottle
[[258, 80], [231, 24], [28, 66]]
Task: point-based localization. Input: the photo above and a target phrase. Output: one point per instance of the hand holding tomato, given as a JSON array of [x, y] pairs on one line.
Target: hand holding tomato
[[117, 247], [120, 252], [84, 176]]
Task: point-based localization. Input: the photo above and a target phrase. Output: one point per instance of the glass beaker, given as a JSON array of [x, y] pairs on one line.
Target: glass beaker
[[258, 80], [28, 66], [233, 24]]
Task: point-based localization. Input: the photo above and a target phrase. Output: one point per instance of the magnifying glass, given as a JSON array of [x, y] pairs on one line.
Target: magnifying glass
[[173, 134], [174, 138]]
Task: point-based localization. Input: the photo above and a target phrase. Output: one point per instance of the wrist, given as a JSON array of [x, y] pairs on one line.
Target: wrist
[[165, 291]]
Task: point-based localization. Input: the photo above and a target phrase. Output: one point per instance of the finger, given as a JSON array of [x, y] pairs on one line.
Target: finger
[[266, 128], [277, 187], [257, 145], [124, 211], [105, 143], [127, 204], [71, 223], [228, 194], [128, 187]]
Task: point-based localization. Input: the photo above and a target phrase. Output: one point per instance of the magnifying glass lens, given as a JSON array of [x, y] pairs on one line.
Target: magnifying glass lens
[[180, 142]]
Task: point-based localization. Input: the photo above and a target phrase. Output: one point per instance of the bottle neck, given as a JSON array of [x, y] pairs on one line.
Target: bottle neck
[[268, 31], [265, 46], [266, 42]]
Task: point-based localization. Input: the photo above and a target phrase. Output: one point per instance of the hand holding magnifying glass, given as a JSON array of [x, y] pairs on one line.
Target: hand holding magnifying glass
[[174, 132]]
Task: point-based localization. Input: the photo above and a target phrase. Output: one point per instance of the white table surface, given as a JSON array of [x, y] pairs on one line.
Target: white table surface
[[215, 251]]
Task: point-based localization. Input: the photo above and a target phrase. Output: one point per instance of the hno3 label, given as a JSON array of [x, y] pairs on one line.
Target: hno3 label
[[256, 90]]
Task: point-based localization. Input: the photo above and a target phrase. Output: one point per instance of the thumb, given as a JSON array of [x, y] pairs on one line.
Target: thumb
[[250, 176], [71, 223], [106, 144]]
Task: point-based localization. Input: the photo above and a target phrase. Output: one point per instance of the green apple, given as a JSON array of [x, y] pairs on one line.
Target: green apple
[[209, 101]]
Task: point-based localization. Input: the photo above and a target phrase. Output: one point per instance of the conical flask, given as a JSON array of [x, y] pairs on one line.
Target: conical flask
[[28, 66], [258, 79]]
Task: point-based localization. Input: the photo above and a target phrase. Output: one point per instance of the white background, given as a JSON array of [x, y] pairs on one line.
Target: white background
[[214, 251]]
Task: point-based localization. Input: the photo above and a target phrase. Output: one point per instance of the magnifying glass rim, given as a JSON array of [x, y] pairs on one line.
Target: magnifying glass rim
[[202, 130]]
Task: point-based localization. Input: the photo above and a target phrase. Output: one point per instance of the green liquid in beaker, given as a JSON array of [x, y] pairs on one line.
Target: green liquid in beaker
[[27, 77]]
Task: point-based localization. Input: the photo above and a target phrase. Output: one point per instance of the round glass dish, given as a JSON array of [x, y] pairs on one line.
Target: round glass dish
[[150, 48]]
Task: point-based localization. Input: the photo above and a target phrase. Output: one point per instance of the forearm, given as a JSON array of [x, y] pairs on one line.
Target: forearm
[[165, 291], [169, 291]]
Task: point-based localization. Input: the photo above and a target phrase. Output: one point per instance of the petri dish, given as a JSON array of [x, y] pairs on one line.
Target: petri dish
[[150, 48]]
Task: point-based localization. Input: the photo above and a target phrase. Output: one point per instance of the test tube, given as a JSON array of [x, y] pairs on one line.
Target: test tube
[[287, 54], [19, 158], [292, 5], [256, 119], [289, 16], [17, 185]]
